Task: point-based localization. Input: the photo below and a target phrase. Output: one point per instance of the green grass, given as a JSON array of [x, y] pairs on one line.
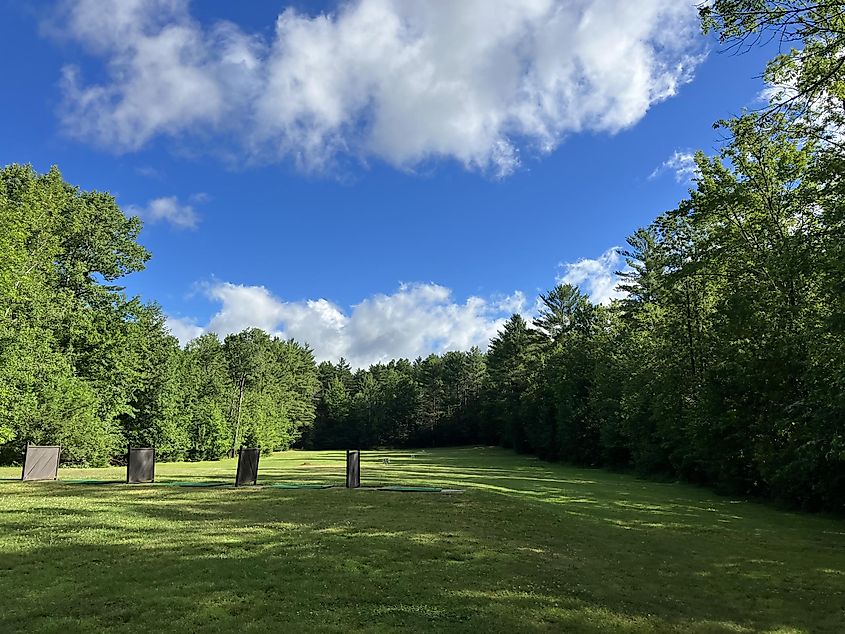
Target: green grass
[[529, 546]]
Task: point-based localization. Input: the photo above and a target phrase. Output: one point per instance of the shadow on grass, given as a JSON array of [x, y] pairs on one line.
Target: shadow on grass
[[545, 548], [212, 560]]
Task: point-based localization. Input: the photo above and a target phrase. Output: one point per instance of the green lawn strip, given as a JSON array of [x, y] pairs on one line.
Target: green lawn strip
[[414, 489], [193, 483], [532, 547], [90, 481], [303, 485]]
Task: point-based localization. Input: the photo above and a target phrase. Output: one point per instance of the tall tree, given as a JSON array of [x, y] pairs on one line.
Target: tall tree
[[511, 374]]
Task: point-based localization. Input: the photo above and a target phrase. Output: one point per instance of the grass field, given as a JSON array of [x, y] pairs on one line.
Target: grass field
[[528, 546]]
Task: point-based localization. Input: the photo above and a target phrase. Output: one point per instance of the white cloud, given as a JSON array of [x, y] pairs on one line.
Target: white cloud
[[596, 277], [416, 320], [183, 329], [681, 164], [821, 112], [149, 172], [167, 209], [513, 303], [476, 81], [199, 197], [773, 94], [243, 307]]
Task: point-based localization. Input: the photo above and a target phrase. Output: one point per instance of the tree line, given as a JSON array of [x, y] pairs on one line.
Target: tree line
[[432, 402], [724, 363], [85, 366]]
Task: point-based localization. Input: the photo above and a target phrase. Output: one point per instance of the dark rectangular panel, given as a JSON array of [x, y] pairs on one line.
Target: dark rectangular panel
[[41, 463], [353, 469], [141, 465], [247, 466]]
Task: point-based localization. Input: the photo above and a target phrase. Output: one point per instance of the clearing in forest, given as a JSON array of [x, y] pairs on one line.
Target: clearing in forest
[[528, 546]]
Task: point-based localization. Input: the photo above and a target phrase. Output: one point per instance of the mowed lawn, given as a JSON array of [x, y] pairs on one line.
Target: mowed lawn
[[528, 546]]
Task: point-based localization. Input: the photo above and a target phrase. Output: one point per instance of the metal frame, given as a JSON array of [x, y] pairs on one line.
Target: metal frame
[[136, 450], [26, 458], [353, 468], [239, 476]]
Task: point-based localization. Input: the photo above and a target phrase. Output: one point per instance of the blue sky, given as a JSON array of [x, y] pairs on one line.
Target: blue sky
[[375, 177]]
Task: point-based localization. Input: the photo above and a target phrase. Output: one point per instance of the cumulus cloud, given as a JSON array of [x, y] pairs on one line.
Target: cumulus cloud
[[416, 320], [516, 302], [596, 277], [820, 111], [167, 209], [681, 164], [477, 81], [183, 329]]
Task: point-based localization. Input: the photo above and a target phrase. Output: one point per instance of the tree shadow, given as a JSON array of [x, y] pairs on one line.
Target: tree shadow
[[502, 559], [539, 547]]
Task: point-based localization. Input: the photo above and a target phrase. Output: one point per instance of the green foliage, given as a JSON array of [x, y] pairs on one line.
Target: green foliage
[[511, 372], [434, 401], [84, 366], [273, 383], [808, 77], [203, 375], [723, 365], [66, 372], [44, 403]]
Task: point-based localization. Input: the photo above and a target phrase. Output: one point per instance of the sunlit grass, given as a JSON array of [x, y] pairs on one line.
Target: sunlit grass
[[529, 546]]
